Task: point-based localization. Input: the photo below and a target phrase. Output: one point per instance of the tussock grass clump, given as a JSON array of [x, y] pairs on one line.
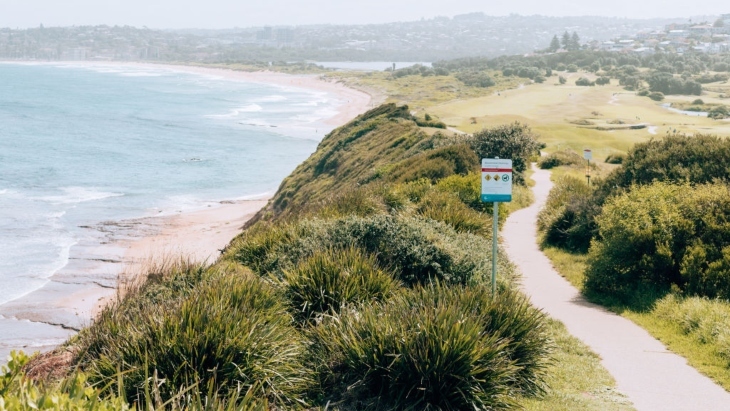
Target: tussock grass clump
[[434, 348], [560, 158], [332, 279], [165, 281], [234, 332]]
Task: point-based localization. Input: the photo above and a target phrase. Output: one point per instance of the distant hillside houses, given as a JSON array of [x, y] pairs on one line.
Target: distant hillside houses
[[711, 38]]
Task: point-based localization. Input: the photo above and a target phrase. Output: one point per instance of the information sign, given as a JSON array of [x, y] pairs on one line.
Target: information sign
[[588, 154], [496, 180]]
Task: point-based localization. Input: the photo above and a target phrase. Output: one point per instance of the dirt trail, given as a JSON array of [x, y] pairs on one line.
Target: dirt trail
[[652, 377]]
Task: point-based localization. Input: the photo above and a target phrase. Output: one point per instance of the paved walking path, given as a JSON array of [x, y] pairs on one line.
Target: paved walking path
[[653, 378]]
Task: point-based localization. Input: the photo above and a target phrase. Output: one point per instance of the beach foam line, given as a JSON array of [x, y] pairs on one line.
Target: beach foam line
[[79, 195]]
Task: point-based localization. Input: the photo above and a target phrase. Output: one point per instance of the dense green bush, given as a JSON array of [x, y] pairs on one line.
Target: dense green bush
[[468, 188], [666, 83], [663, 235], [20, 393], [719, 112], [475, 78], [514, 141], [615, 158], [675, 158], [566, 218], [332, 279], [656, 96], [437, 347], [233, 332], [582, 81], [560, 158], [415, 249]]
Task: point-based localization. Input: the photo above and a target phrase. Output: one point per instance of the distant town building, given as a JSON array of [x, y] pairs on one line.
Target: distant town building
[[267, 34], [284, 35]]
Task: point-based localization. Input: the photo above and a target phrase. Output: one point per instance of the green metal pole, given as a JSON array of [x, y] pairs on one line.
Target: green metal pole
[[495, 229]]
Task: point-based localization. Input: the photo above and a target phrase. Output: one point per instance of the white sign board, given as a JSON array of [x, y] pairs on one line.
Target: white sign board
[[496, 180], [588, 154]]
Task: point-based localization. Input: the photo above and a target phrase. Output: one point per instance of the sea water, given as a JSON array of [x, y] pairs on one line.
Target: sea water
[[84, 144]]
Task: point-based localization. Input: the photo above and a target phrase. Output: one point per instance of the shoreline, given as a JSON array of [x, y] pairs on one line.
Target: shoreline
[[75, 294]]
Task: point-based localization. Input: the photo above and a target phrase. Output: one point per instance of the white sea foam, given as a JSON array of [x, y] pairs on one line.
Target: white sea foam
[[270, 99], [140, 74], [251, 108], [79, 195]]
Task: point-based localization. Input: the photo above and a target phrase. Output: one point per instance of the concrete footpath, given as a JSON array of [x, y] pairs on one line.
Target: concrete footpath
[[652, 377]]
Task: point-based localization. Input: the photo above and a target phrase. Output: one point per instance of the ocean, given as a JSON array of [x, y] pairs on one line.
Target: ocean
[[85, 144]]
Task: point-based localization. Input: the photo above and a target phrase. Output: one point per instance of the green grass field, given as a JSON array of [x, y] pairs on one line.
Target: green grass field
[[550, 109]]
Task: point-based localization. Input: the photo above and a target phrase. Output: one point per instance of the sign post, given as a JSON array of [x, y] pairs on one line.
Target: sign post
[[588, 155], [496, 188]]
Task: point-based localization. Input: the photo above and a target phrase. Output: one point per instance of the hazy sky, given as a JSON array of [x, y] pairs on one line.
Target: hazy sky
[[246, 13]]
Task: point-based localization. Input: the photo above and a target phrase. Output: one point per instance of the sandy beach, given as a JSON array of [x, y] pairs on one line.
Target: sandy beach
[[76, 293]]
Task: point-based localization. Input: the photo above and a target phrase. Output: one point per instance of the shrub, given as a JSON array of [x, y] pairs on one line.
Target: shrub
[[656, 96], [560, 158], [467, 188], [616, 158], [514, 141], [448, 208], [332, 279], [434, 348], [584, 82], [20, 393], [566, 218], [698, 101], [698, 159], [663, 235], [718, 112], [416, 250], [562, 80], [674, 158], [602, 81], [475, 78], [234, 331], [643, 93]]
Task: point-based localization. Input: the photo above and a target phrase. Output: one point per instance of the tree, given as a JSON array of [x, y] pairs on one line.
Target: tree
[[514, 141], [554, 44], [562, 80], [565, 41], [573, 42], [719, 23]]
